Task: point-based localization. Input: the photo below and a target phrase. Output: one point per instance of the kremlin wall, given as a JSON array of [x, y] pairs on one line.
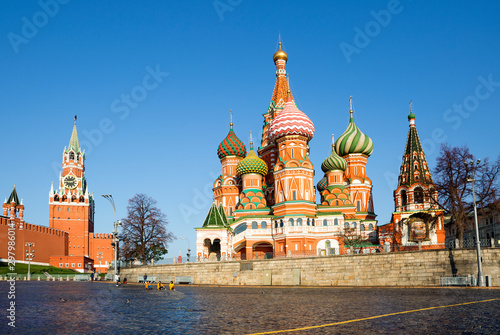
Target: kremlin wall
[[69, 241]]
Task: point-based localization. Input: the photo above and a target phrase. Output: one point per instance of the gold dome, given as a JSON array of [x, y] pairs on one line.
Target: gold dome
[[280, 54]]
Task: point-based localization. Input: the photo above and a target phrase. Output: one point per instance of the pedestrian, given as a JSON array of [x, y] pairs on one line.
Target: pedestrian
[[125, 280], [171, 286], [92, 276], [117, 279], [145, 278], [160, 286]]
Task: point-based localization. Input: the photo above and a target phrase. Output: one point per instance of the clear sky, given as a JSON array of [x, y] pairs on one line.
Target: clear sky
[[87, 57]]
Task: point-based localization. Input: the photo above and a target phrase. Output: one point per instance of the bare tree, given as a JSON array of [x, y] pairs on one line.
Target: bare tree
[[352, 238], [451, 177], [145, 236]]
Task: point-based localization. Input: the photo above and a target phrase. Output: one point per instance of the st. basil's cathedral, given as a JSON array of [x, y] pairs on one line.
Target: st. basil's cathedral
[[265, 200]]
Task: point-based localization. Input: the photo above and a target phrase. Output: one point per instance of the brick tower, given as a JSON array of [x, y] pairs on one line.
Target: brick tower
[[417, 217], [71, 207]]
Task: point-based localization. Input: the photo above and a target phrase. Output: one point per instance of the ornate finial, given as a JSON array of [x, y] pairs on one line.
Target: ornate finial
[[75, 119], [231, 122], [350, 105], [333, 140], [411, 105], [251, 141]]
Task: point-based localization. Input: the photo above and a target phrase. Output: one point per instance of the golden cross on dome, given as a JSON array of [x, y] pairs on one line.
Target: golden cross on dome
[[251, 140], [411, 105], [75, 119], [333, 140], [231, 122], [350, 105]]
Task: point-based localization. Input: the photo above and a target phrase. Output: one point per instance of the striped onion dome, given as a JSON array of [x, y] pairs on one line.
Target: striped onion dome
[[231, 146], [353, 141], [251, 164], [291, 121], [322, 184], [333, 162]]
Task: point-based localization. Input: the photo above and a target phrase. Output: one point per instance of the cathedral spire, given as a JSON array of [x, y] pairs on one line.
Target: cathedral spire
[[73, 142], [414, 168], [281, 87]]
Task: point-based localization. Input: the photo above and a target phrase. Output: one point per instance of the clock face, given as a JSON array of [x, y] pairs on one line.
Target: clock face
[[70, 182]]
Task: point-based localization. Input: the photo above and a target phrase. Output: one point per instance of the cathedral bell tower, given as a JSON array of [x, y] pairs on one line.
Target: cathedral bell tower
[[71, 207]]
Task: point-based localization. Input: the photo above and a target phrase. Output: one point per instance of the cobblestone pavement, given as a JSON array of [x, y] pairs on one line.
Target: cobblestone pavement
[[101, 308]]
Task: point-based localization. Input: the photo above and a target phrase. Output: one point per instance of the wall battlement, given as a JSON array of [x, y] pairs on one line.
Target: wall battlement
[[4, 221]]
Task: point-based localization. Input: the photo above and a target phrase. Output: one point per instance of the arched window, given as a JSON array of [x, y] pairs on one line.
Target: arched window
[[370, 227], [299, 222], [336, 222], [255, 225], [328, 244], [336, 202], [346, 225], [404, 198], [325, 222], [71, 155], [362, 227], [358, 205], [313, 222], [291, 222], [263, 225], [355, 225], [308, 222], [240, 229], [78, 157], [418, 194]]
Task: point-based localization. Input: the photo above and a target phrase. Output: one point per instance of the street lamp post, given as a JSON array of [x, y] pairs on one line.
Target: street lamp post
[[116, 240], [99, 257], [480, 276], [189, 248], [30, 254]]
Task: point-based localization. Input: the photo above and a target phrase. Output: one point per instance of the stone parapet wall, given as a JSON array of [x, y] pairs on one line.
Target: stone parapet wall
[[412, 268]]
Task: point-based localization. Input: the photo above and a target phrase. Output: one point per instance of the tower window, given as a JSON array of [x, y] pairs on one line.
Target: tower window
[[325, 222], [292, 154], [357, 206], [336, 222], [404, 199], [69, 209], [72, 155], [293, 195], [355, 170], [59, 209], [418, 194], [291, 222]]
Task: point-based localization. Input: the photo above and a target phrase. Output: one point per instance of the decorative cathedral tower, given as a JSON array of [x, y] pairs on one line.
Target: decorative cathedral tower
[[252, 171], [293, 173], [267, 149], [71, 207], [417, 217], [231, 151], [355, 147]]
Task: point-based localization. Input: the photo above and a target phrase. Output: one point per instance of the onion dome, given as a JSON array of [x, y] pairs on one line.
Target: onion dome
[[291, 121], [231, 145], [322, 184], [333, 162], [280, 54], [353, 141], [251, 164]]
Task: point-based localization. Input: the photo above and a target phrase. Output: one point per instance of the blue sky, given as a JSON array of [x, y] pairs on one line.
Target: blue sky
[[85, 58]]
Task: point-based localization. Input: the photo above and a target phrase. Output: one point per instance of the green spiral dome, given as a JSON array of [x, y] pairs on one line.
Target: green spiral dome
[[333, 162], [322, 184], [353, 141], [231, 146], [251, 164]]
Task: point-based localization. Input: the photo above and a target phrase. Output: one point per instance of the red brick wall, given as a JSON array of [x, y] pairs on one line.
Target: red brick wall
[[48, 241]]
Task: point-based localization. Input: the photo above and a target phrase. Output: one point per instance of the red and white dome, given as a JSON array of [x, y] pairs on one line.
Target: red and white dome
[[291, 121]]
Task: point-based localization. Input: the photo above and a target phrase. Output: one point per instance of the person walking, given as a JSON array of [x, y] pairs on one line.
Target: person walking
[[145, 278], [117, 279]]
